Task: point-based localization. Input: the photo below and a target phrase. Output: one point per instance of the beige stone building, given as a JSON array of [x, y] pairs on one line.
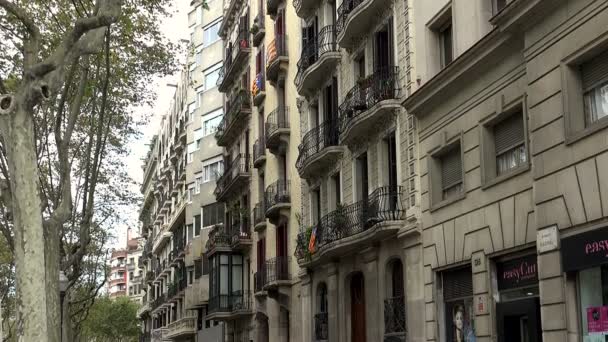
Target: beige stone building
[[179, 210], [253, 280], [358, 163], [511, 115]]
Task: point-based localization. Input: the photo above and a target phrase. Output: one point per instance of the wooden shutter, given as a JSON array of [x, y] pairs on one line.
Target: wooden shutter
[[457, 284], [451, 168], [509, 133], [595, 71]]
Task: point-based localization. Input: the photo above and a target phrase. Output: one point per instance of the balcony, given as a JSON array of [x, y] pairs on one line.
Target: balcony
[[369, 105], [241, 235], [160, 300], [259, 153], [319, 149], [356, 18], [258, 29], [259, 217], [319, 58], [277, 130], [238, 111], [236, 175], [277, 59], [182, 328], [159, 335], [305, 8], [394, 319], [277, 198], [219, 241], [321, 327], [258, 89], [229, 307], [354, 226], [236, 57], [176, 289], [276, 273], [259, 279]]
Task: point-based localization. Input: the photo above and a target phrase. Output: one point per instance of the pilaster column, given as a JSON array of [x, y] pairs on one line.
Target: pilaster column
[[372, 302], [333, 313], [415, 314], [306, 297], [482, 298]]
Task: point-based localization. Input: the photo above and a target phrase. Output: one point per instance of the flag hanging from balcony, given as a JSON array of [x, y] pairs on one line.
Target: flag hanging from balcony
[[313, 240]]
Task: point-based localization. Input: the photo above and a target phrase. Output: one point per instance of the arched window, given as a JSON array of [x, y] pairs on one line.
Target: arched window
[[396, 270]]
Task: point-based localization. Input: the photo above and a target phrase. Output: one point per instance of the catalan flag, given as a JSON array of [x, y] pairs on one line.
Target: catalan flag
[[313, 240]]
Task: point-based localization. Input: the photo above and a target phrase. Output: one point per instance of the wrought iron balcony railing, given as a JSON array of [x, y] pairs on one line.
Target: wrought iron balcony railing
[[241, 230], [158, 301], [237, 301], [238, 105], [259, 151], [394, 315], [259, 279], [234, 50], [239, 166], [218, 238], [380, 86], [277, 119], [259, 213], [344, 11], [313, 49], [384, 204], [321, 327], [325, 135], [277, 193], [276, 269]]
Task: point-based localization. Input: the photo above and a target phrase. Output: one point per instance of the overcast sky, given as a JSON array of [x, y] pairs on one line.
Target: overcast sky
[[176, 28]]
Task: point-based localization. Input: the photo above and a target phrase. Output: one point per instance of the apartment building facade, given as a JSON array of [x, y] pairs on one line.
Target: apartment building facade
[[134, 274], [359, 245], [117, 282], [179, 207], [253, 280], [511, 116]]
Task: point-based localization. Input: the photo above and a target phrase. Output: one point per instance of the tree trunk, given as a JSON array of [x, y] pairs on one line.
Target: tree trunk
[[52, 282], [31, 293]]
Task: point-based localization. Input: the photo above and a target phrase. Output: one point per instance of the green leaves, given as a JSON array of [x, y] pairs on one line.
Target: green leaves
[[112, 320]]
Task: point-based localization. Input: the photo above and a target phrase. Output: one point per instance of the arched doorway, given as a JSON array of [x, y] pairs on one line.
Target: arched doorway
[[394, 303], [357, 308]]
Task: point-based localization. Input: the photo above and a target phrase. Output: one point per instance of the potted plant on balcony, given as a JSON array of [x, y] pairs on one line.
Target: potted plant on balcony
[[340, 221], [255, 28]]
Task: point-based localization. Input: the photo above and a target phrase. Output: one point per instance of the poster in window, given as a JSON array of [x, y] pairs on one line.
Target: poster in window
[[460, 320], [597, 320]]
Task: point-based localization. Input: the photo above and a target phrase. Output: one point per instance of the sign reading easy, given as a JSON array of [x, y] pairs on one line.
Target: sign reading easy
[[585, 250], [517, 273]]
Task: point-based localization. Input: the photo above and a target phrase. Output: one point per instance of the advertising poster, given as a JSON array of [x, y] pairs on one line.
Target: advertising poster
[[597, 320]]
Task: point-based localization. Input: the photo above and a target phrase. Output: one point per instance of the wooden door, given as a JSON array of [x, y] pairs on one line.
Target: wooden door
[[357, 308]]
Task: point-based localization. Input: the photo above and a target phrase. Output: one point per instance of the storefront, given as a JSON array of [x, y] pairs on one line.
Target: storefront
[[517, 303], [586, 256]]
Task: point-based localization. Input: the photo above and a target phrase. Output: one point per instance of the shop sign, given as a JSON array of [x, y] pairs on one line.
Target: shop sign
[[585, 250], [517, 273], [597, 320]]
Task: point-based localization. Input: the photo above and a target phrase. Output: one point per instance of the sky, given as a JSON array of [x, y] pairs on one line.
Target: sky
[[175, 28]]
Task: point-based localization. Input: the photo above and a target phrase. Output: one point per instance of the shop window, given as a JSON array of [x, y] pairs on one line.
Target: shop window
[[459, 317]]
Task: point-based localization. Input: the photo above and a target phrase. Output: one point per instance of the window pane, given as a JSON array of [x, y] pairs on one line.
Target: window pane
[[596, 104], [211, 78], [197, 225], [511, 159], [211, 125], [237, 278]]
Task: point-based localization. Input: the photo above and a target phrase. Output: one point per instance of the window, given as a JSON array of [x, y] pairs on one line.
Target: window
[[190, 230], [197, 225], [499, 5], [212, 170], [198, 183], [199, 96], [445, 40], [213, 214], [199, 56], [190, 192], [509, 144], [191, 150], [205, 264], [594, 76], [192, 108], [211, 76], [198, 268], [336, 189], [211, 121], [451, 173], [210, 34], [459, 317], [190, 275]]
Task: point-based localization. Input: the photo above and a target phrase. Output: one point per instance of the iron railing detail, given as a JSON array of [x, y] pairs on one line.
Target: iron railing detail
[[276, 269], [394, 315], [259, 150], [238, 166], [323, 42], [232, 51], [321, 327], [277, 119], [384, 204], [237, 301], [277, 193], [380, 86], [344, 11], [239, 103], [325, 135], [259, 213], [218, 238], [241, 230], [259, 279]]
